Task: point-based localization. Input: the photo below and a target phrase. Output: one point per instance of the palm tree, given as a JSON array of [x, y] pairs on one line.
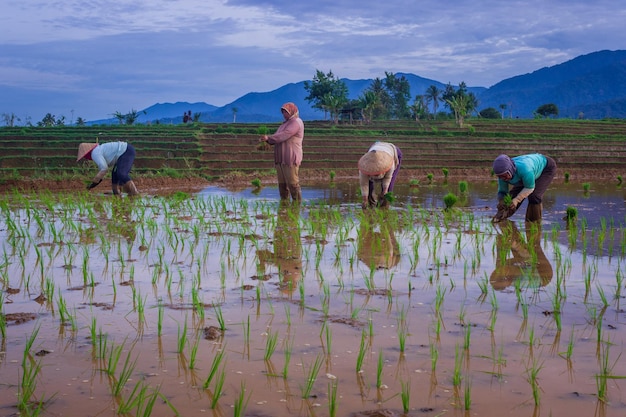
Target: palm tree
[[235, 110], [433, 94]]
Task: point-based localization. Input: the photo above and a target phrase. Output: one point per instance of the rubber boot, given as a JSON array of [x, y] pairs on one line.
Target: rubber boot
[[130, 189], [533, 212], [116, 190]]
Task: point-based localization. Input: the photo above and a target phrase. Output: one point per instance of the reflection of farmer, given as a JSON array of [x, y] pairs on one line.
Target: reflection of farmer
[[530, 175], [287, 255], [377, 245], [378, 170], [119, 155], [527, 261]]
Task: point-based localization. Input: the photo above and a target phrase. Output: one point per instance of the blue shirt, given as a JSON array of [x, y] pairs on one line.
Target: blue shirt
[[527, 169]]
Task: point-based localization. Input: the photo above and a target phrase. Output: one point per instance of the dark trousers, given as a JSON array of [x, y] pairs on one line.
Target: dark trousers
[[541, 183], [121, 170]]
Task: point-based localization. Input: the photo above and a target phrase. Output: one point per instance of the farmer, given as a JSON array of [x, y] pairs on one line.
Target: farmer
[[529, 175], [287, 141], [119, 155], [518, 257], [378, 170]]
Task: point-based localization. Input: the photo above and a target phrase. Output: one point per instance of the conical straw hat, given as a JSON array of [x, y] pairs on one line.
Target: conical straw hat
[[84, 149], [375, 163]]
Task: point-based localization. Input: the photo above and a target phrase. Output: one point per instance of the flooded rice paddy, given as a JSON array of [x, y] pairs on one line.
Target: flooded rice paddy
[[228, 303]]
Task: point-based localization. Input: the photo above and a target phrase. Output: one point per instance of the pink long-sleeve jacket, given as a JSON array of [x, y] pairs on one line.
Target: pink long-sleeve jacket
[[287, 139]]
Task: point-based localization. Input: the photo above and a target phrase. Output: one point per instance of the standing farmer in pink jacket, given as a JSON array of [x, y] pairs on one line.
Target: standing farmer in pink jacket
[[287, 141]]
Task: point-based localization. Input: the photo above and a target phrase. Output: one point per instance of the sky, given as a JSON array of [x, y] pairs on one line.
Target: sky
[[92, 58]]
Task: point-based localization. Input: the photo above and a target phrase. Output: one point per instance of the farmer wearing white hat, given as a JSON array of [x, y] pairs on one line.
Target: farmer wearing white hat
[[529, 175], [378, 170], [118, 155]]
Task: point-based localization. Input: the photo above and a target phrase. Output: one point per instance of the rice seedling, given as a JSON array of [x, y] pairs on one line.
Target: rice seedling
[[467, 395], [287, 355], [160, 313], [467, 337], [361, 354], [311, 376], [241, 402], [194, 353], [218, 388], [458, 364], [434, 357], [28, 381], [215, 365], [182, 338], [532, 373], [603, 298], [124, 376], [449, 200], [220, 317], [379, 369], [405, 396], [332, 399], [270, 345]]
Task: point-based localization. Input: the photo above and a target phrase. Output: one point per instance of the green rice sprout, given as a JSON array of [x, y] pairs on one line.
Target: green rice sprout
[[270, 345], [405, 396], [311, 376], [241, 402], [215, 365], [379, 369], [332, 399]]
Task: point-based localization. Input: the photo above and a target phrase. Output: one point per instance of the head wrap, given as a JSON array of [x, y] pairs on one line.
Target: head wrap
[[291, 109], [503, 165]]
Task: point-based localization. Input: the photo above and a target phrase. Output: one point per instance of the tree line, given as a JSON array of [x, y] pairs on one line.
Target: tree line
[[390, 98]]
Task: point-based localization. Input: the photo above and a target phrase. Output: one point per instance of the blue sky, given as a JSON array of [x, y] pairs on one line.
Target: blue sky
[[91, 58]]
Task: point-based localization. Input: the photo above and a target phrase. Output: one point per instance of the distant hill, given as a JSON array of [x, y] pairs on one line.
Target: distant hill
[[592, 86]]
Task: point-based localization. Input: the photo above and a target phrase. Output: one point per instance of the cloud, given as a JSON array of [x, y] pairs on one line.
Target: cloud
[[130, 54]]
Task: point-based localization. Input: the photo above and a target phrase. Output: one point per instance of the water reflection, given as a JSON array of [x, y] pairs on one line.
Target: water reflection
[[377, 246], [605, 200], [287, 247], [519, 257]]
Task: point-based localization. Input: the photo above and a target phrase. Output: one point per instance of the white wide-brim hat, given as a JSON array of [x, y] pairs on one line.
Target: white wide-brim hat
[[375, 163]]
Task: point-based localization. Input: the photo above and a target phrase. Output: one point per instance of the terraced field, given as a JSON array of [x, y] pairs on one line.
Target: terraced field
[[583, 148]]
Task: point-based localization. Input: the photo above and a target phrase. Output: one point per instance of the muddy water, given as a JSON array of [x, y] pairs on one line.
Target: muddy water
[[444, 307]]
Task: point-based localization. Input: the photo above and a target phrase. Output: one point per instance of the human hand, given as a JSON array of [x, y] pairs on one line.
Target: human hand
[[263, 138], [93, 184]]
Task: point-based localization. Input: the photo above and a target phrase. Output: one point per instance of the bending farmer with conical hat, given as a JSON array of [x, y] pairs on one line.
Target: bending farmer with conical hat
[[529, 175], [118, 155], [378, 170]]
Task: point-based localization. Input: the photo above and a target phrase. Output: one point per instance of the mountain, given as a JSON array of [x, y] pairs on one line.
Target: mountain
[[592, 86]]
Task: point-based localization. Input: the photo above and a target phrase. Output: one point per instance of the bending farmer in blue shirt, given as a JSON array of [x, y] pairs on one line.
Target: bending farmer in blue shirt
[[529, 175]]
